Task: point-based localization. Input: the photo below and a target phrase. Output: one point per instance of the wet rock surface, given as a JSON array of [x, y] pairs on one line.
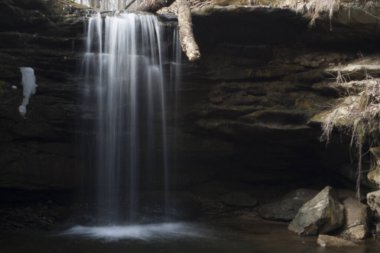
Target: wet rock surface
[[356, 219], [286, 208], [239, 199], [250, 112], [266, 83], [374, 176], [373, 201], [328, 241], [320, 215], [246, 109], [39, 151]]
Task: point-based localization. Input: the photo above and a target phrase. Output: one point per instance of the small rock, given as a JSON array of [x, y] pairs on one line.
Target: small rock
[[239, 199], [333, 241], [373, 201], [377, 229], [375, 151], [374, 175], [287, 208], [356, 216], [322, 214]]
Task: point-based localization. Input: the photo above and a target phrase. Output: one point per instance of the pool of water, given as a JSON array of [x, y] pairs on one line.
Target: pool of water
[[227, 235], [143, 232]]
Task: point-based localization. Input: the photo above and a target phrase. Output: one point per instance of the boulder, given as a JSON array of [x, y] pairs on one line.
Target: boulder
[[377, 228], [286, 208], [322, 214], [374, 175], [334, 242], [356, 216], [373, 201], [239, 199]]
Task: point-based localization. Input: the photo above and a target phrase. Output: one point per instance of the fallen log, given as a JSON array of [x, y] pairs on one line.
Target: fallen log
[[188, 44], [148, 5]]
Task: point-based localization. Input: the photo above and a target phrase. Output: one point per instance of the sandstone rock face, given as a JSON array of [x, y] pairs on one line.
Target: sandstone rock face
[[356, 219], [373, 201], [374, 176], [322, 214], [328, 241], [287, 208], [377, 228], [258, 91], [245, 108], [40, 151]]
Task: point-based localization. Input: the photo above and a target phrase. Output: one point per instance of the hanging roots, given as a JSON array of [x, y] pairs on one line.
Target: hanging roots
[[314, 8], [359, 115]]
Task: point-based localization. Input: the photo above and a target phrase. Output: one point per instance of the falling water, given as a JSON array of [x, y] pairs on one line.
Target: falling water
[[84, 2], [104, 4], [124, 68]]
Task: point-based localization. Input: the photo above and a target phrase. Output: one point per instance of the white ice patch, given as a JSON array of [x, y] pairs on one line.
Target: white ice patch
[[29, 88], [139, 232]]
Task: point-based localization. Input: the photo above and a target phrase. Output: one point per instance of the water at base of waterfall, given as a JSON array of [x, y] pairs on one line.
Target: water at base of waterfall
[[144, 232], [217, 235]]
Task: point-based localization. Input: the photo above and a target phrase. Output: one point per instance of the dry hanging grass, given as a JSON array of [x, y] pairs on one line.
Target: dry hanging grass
[[313, 8], [359, 115]]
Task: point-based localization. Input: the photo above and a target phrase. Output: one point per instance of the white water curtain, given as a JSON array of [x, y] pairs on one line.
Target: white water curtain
[[104, 4]]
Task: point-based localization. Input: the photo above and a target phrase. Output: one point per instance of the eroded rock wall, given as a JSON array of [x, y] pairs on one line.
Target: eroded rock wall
[[264, 74], [244, 109], [39, 151]]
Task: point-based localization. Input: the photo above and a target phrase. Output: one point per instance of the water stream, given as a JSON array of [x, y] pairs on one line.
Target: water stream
[[218, 236]]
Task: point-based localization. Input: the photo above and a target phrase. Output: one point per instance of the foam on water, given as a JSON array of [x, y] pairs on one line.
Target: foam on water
[[139, 232]]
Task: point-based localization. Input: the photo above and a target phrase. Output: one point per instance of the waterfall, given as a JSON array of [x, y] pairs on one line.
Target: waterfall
[[104, 4], [84, 2], [124, 67]]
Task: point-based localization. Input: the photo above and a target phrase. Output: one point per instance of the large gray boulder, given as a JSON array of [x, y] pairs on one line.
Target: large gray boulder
[[286, 208], [322, 214], [356, 217], [373, 201]]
